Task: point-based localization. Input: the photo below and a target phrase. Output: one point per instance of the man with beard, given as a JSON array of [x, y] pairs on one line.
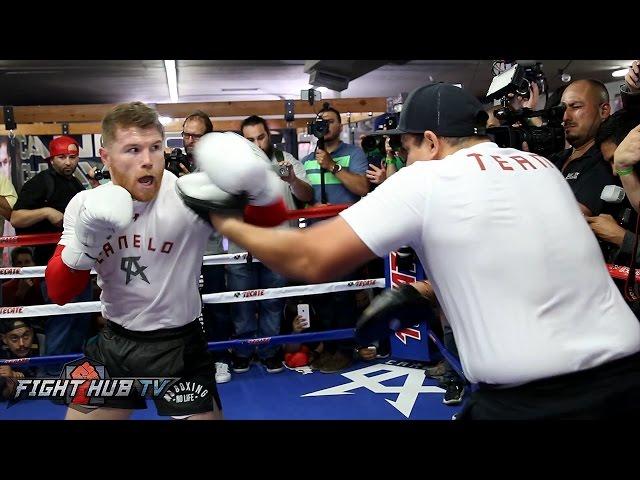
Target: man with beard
[[264, 318], [17, 340], [344, 165], [40, 209], [43, 199], [146, 247]]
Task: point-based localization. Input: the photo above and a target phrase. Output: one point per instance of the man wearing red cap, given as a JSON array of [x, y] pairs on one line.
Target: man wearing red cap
[[40, 209], [42, 200]]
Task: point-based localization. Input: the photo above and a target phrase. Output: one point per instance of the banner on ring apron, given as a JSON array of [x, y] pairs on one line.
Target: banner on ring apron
[[412, 343]]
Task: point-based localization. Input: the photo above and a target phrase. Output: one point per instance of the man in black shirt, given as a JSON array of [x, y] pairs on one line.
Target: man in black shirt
[[40, 209], [583, 166], [17, 340], [43, 199]]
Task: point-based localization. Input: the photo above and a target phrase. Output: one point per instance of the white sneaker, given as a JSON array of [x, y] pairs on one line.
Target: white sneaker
[[223, 375]]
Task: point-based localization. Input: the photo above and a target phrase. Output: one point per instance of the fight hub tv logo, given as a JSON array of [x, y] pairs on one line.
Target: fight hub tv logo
[[85, 383]]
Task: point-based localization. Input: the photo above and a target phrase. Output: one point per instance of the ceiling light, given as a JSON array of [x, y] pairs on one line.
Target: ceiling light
[[236, 90], [165, 120], [172, 79], [619, 73]]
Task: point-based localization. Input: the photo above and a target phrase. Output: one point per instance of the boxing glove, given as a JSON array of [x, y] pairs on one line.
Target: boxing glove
[[393, 310], [202, 196], [238, 166], [104, 211]]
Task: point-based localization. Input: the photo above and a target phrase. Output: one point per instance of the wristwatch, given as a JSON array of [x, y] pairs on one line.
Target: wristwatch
[[336, 168]]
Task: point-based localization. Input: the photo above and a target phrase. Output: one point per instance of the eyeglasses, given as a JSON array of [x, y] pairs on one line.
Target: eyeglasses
[[193, 136]]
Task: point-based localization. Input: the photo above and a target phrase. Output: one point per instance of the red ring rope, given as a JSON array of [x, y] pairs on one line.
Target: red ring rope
[[47, 238]]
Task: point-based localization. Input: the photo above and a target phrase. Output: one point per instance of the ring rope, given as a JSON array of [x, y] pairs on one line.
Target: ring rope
[[47, 238], [223, 297], [618, 272], [341, 334], [33, 272]]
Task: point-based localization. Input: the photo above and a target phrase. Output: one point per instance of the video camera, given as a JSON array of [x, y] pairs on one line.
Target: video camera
[[175, 158], [543, 140], [319, 127]]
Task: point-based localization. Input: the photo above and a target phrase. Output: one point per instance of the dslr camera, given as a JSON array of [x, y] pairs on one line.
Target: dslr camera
[[374, 145], [514, 130], [173, 160], [102, 174]]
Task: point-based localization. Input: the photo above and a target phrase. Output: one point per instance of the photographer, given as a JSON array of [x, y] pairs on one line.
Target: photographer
[[385, 154], [396, 157], [342, 165], [337, 174], [584, 168], [520, 120], [394, 160], [290, 169], [264, 318], [194, 127]]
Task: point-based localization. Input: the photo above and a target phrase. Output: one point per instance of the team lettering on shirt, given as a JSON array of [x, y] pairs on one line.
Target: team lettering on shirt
[[512, 162], [133, 241]]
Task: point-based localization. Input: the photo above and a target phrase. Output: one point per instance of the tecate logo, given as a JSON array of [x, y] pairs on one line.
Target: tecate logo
[[363, 283], [11, 309], [253, 293], [9, 271]]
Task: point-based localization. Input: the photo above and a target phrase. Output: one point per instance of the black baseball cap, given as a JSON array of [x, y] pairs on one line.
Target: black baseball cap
[[9, 325], [445, 109]]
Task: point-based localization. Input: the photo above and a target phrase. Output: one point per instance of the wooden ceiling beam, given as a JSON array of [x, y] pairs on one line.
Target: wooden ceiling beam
[[95, 113], [220, 125]]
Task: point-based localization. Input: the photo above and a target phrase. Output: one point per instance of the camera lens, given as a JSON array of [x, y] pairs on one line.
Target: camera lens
[[395, 142], [369, 144]]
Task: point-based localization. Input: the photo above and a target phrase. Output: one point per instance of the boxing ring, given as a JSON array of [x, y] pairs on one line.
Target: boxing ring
[[49, 310]]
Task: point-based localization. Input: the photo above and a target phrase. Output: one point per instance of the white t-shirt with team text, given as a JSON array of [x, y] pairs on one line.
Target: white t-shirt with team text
[[149, 272], [517, 270]]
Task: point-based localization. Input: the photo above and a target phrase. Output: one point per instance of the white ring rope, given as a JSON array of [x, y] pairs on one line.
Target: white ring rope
[[33, 272], [223, 297]]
